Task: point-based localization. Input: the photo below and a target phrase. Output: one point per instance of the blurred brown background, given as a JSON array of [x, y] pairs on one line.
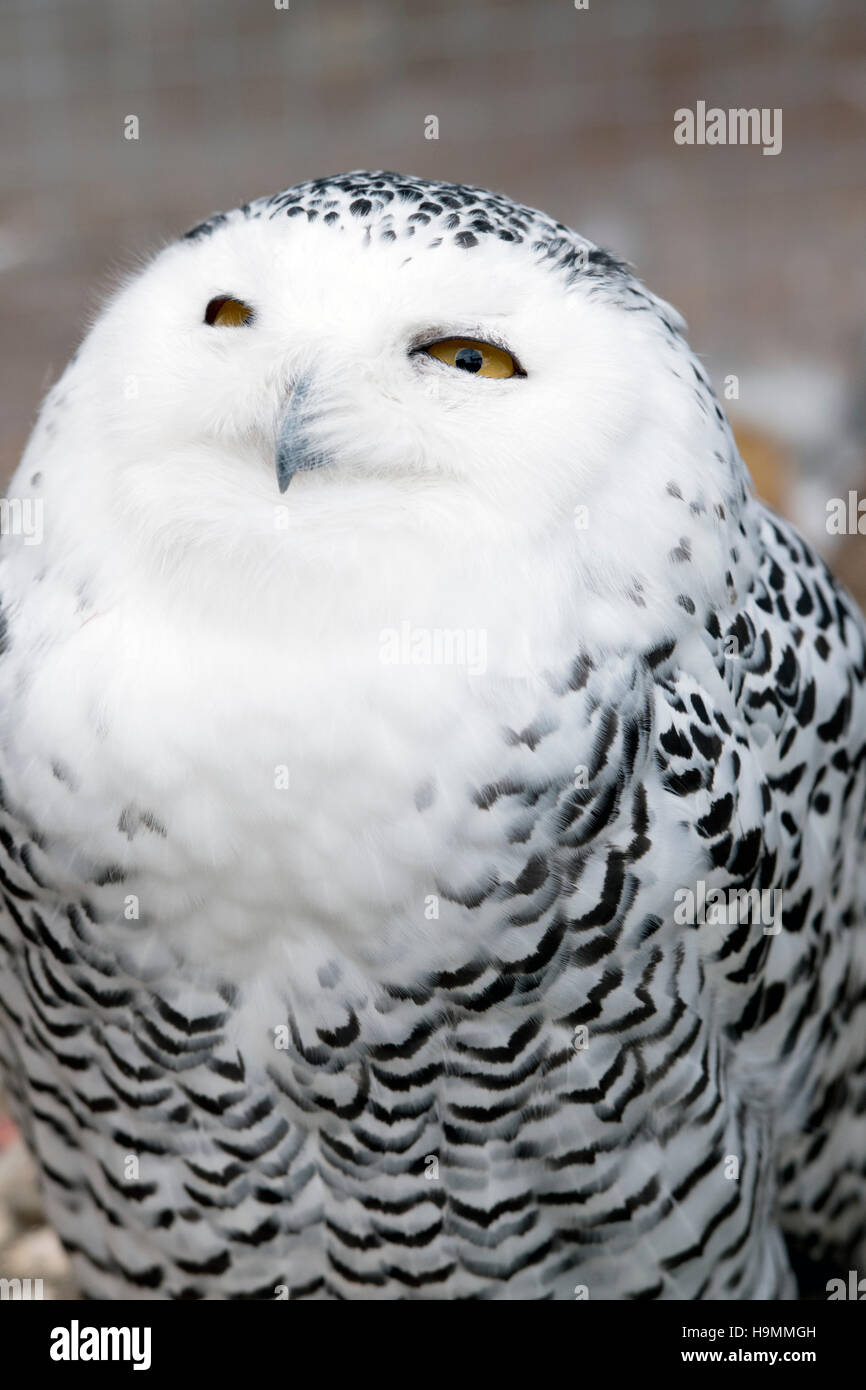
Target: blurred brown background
[[571, 110]]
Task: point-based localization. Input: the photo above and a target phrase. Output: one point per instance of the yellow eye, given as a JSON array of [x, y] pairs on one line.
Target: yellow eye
[[480, 359], [224, 312]]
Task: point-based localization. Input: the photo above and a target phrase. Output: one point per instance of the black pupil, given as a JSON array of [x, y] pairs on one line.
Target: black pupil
[[469, 359]]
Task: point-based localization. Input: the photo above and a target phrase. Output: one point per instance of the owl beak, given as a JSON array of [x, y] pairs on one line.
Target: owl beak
[[295, 451]]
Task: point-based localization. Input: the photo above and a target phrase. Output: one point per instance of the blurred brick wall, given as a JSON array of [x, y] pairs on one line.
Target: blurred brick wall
[[570, 110]]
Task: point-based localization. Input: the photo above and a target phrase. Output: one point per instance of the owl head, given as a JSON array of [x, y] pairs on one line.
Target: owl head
[[373, 382]]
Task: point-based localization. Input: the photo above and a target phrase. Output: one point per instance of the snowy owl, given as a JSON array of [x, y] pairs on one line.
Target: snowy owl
[[432, 834]]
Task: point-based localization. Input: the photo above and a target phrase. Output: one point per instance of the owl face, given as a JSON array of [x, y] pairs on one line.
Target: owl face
[[375, 357], [384, 361]]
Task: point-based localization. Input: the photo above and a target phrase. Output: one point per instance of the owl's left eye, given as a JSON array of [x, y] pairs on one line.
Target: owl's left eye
[[225, 312], [473, 356]]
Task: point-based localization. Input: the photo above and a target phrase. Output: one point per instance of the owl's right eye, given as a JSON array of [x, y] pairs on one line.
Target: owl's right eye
[[225, 312]]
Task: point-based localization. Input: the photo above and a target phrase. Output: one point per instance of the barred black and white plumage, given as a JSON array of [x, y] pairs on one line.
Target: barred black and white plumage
[[325, 975]]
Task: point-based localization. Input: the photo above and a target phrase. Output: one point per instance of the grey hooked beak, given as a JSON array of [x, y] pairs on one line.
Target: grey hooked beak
[[295, 450]]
